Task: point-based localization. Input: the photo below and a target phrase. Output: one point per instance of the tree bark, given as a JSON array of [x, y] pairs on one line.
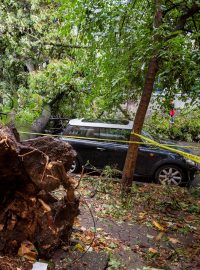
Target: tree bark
[[39, 124], [131, 157]]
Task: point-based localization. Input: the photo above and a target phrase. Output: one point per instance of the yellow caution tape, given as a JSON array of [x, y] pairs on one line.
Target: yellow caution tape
[[148, 142], [108, 140], [81, 137], [187, 155]]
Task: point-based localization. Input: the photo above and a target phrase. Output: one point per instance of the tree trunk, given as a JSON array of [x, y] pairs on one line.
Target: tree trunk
[[38, 125], [131, 157]]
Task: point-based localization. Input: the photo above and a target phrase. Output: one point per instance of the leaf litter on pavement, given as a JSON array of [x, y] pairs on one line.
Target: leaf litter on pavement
[[170, 214]]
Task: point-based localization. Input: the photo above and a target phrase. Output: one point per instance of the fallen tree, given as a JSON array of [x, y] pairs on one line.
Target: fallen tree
[[29, 210]]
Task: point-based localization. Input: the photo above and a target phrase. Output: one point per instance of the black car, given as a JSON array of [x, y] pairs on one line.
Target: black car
[[102, 143]]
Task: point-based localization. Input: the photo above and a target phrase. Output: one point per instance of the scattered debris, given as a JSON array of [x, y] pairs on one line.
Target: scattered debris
[[90, 261], [14, 263], [155, 227], [40, 266]]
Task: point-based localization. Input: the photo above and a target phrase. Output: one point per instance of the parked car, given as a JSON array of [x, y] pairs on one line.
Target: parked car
[[99, 143]]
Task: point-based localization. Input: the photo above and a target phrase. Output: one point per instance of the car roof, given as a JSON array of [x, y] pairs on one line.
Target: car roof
[[124, 124]]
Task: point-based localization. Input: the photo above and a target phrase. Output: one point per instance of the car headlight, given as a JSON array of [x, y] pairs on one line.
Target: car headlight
[[190, 162]]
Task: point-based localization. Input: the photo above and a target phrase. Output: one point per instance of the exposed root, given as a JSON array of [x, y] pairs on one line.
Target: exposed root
[[29, 172]]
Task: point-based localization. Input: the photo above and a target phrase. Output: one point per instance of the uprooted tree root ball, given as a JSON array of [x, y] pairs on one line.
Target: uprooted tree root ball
[[29, 212]]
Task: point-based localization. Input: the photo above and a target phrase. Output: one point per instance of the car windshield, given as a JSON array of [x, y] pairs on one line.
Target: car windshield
[[149, 136], [146, 134]]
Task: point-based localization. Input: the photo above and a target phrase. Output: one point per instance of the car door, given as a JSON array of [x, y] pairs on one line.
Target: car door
[[97, 150], [91, 152], [101, 154], [118, 154], [113, 152]]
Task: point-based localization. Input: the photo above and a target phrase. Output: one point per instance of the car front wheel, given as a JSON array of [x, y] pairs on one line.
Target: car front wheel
[[75, 166], [170, 175]]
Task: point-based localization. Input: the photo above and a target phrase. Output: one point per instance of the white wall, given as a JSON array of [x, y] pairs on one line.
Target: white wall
[[155, 105]]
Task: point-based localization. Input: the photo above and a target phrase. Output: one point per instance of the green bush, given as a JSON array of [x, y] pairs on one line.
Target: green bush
[[186, 126]]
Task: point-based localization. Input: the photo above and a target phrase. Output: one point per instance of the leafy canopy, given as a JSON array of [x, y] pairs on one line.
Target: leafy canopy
[[120, 37], [94, 53]]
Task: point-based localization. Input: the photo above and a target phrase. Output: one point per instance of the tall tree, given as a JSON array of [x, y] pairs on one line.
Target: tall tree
[[131, 158]]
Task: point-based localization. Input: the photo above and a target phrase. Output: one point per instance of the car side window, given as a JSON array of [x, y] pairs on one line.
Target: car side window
[[75, 131], [92, 132], [82, 131], [114, 134]]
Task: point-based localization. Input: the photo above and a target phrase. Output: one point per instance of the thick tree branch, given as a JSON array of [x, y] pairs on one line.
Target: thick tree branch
[[57, 98], [124, 112], [183, 19]]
